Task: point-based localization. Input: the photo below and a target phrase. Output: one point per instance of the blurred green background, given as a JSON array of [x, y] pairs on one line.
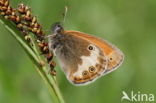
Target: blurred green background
[[129, 24]]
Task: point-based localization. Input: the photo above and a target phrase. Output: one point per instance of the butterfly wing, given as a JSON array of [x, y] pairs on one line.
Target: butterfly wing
[[113, 54], [91, 68], [81, 60]]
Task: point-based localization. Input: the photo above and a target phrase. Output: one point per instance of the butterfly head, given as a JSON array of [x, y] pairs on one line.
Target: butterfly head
[[57, 28]]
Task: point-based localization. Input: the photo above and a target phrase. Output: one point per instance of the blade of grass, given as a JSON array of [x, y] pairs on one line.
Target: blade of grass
[[18, 36], [35, 57]]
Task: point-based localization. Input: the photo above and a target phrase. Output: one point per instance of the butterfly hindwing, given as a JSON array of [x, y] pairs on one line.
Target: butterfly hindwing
[[81, 60], [91, 68]]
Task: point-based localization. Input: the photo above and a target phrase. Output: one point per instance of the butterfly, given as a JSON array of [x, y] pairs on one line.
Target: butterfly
[[83, 57]]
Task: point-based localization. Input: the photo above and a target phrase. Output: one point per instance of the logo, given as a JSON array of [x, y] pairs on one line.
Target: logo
[[137, 97]]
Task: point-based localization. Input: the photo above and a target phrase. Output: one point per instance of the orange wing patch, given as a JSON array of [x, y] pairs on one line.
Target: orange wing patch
[[97, 41]]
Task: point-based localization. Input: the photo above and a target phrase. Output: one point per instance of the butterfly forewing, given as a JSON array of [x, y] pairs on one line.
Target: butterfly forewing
[[113, 54]]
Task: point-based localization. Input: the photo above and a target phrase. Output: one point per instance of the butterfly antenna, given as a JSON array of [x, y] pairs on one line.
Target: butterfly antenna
[[65, 14]]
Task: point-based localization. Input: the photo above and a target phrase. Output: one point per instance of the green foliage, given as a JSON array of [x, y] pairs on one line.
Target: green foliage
[[130, 25], [35, 56]]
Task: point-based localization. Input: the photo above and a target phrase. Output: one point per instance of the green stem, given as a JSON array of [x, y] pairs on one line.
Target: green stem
[[35, 56]]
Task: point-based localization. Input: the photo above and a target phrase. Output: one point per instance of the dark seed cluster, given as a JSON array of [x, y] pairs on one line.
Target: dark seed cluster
[[26, 22]]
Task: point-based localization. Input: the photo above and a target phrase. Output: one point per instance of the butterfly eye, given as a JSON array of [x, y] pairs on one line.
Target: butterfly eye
[[90, 47], [91, 69], [85, 73]]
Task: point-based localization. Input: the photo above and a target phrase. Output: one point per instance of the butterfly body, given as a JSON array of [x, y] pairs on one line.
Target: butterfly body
[[83, 57]]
